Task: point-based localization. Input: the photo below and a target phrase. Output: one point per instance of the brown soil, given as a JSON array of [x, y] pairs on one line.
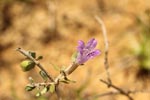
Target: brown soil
[[53, 29]]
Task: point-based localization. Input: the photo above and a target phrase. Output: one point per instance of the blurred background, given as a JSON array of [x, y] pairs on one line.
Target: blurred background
[[52, 28]]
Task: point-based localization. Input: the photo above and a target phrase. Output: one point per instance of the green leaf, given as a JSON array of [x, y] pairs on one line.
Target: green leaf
[[27, 65], [45, 90], [74, 56], [33, 54], [67, 81], [29, 88], [72, 81], [39, 58], [52, 88], [38, 94], [43, 74], [64, 81]]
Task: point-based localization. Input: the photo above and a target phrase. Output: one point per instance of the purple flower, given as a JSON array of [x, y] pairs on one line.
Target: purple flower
[[86, 51]]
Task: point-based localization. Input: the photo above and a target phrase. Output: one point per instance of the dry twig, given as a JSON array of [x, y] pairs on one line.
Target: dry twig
[[121, 91], [109, 82], [118, 92], [106, 46]]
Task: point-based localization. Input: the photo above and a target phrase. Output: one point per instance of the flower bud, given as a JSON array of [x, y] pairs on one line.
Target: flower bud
[[27, 65]]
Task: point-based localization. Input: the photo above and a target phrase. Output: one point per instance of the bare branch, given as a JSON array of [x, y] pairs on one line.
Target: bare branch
[[117, 92], [109, 82], [121, 91], [41, 84], [100, 21], [138, 91], [106, 94], [66, 72]]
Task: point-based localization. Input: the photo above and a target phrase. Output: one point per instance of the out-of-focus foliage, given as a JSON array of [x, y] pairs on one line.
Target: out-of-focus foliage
[[143, 52]]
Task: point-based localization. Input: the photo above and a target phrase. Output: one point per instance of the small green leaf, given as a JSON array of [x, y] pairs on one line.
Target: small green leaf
[[39, 58], [33, 54], [27, 65], [29, 88], [74, 56], [52, 88], [67, 81], [45, 90], [72, 81], [43, 74], [38, 94], [64, 81]]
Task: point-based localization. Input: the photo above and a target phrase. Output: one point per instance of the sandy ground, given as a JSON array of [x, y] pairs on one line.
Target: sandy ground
[[53, 29]]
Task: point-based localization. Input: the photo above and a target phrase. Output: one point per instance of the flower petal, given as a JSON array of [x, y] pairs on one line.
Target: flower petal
[[93, 54], [86, 52], [81, 58], [91, 44], [81, 45]]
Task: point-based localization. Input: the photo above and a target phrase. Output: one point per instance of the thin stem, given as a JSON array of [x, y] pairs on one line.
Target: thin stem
[[106, 94], [100, 21], [71, 68], [118, 89], [25, 53], [117, 92], [67, 72], [41, 84]]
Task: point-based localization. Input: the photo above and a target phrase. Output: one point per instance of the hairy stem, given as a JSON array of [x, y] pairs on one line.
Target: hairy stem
[[25, 53]]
